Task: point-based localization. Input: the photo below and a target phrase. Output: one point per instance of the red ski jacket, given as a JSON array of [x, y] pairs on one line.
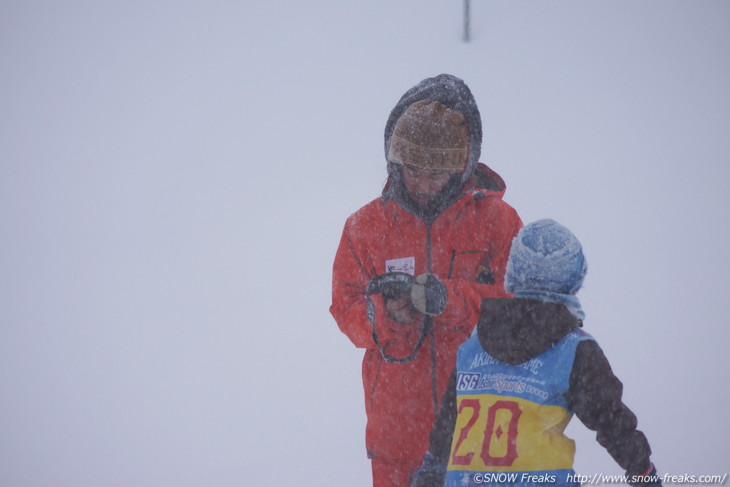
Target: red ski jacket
[[467, 247]]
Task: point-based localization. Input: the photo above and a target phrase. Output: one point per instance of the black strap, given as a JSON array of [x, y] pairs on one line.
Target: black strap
[[376, 286]]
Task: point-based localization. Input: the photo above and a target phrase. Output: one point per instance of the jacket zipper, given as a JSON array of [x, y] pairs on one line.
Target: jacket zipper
[[429, 324]]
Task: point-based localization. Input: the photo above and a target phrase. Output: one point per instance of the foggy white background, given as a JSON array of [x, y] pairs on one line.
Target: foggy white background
[[174, 178]]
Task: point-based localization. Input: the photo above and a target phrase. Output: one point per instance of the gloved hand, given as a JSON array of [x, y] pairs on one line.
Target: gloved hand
[[395, 289], [428, 295], [647, 479], [405, 296], [431, 473]]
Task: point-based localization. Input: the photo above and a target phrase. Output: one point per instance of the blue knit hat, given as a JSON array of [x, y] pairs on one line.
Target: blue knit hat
[[546, 262]]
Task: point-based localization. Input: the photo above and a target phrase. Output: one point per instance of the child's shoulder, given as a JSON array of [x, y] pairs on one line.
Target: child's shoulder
[[582, 333], [579, 334]]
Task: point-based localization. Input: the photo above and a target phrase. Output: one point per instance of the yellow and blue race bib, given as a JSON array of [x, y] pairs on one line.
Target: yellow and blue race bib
[[510, 423]]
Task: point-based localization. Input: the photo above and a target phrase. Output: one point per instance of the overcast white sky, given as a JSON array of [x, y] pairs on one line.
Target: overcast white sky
[[174, 178]]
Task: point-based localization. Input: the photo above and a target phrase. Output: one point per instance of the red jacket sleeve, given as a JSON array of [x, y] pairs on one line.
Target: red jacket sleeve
[[350, 275]]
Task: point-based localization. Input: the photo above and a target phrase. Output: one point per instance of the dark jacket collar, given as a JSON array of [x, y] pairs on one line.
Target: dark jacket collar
[[515, 330], [483, 178]]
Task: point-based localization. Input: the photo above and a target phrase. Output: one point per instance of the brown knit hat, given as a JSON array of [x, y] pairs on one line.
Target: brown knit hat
[[430, 135]]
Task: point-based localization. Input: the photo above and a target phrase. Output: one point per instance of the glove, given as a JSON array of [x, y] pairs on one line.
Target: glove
[[395, 288], [431, 473], [428, 295], [647, 479], [391, 284]]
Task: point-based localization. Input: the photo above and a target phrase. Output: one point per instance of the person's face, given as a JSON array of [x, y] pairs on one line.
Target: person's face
[[423, 184]]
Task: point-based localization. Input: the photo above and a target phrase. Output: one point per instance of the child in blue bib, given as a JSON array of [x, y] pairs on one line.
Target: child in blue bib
[[527, 368]]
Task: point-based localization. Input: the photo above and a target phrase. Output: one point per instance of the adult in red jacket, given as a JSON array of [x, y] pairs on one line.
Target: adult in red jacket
[[413, 265]]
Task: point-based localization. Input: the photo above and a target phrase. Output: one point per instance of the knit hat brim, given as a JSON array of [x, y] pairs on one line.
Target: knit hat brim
[[407, 153]]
